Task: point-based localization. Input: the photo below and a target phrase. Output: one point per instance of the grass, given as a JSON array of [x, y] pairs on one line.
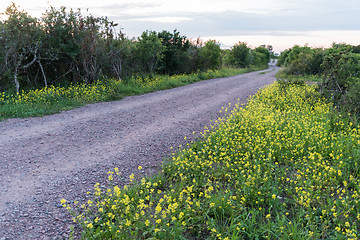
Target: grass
[[52, 100], [285, 166], [265, 72], [299, 78]]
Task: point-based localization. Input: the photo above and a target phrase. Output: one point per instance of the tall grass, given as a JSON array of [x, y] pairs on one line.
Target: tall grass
[[299, 78], [286, 166], [52, 99]]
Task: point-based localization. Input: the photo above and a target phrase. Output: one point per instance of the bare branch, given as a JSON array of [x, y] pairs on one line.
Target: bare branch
[[43, 73], [30, 63]]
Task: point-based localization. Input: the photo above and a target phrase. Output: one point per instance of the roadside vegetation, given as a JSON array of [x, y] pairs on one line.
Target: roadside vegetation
[[53, 99], [66, 59], [336, 69], [285, 166]]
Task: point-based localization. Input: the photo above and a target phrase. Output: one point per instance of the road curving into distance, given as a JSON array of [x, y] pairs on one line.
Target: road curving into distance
[[45, 159]]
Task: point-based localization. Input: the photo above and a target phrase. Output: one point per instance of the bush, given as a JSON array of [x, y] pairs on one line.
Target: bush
[[301, 61], [339, 67], [210, 56], [239, 56], [341, 77]]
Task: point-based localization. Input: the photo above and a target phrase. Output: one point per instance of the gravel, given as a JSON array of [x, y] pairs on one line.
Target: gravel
[[45, 159]]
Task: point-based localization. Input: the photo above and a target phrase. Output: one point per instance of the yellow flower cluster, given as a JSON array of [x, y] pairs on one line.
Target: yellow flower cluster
[[52, 99], [83, 93], [286, 165]]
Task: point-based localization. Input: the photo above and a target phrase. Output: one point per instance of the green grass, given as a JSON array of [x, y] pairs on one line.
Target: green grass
[[52, 100], [265, 72], [298, 78], [285, 166]]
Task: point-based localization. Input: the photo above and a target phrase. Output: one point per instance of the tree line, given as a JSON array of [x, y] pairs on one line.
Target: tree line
[[66, 46], [339, 67]]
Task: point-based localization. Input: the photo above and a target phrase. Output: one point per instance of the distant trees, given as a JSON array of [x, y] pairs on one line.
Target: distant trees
[[66, 46], [240, 55]]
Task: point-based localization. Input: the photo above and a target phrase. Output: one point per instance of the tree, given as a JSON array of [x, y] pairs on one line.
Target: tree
[[90, 47], [261, 56], [3, 66], [342, 77], [270, 48], [149, 51], [356, 49], [282, 57], [302, 60], [210, 55], [118, 58], [239, 55], [21, 40], [175, 56]]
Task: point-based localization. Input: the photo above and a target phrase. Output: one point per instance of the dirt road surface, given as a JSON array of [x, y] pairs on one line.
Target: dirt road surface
[[45, 159]]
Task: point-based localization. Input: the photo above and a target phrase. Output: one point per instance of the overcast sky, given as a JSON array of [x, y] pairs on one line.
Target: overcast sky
[[281, 23]]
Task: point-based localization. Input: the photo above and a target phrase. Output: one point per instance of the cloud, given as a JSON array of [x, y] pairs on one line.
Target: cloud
[[237, 22], [225, 17], [321, 15], [124, 7], [286, 40], [282, 29], [165, 19], [276, 19]]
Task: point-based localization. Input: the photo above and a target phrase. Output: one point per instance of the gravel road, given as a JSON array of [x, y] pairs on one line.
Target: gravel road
[[45, 159]]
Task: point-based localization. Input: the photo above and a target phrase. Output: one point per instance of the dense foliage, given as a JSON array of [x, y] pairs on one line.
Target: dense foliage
[[67, 47], [302, 60], [339, 67], [240, 55], [286, 166]]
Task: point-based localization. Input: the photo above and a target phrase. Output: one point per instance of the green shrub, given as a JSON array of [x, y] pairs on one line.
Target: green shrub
[[301, 60], [341, 77]]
